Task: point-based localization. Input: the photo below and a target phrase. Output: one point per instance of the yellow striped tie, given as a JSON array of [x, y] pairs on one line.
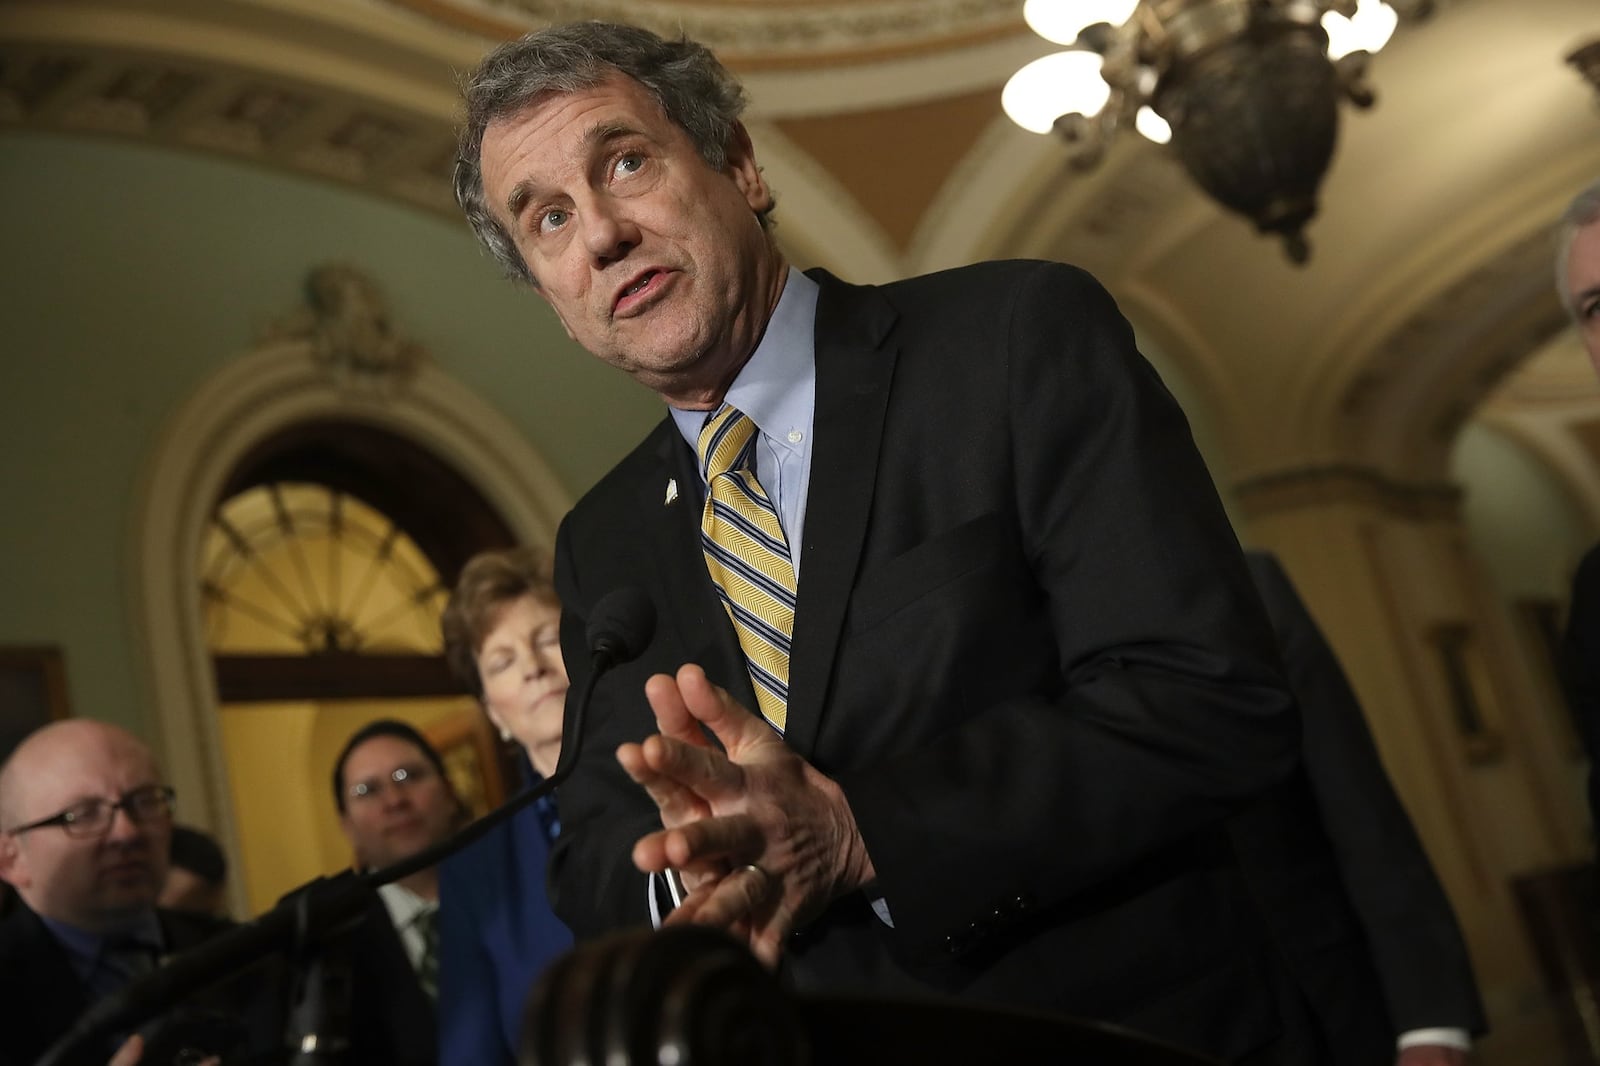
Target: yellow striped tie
[[748, 556]]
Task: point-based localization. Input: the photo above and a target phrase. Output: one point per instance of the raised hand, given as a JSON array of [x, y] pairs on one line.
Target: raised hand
[[767, 839]]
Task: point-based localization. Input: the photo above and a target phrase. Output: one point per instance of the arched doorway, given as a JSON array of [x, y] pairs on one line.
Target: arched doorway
[[322, 576], [247, 416]]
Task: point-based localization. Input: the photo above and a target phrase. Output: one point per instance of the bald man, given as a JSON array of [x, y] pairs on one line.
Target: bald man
[[85, 826]]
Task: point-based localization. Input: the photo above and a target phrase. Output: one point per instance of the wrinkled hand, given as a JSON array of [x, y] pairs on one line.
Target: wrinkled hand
[[1431, 1055], [129, 1053], [678, 804], [755, 802]]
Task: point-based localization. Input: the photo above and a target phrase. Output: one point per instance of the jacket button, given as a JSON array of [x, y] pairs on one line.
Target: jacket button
[[958, 943]]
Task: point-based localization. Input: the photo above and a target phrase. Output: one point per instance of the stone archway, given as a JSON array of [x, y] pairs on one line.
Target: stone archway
[[333, 361]]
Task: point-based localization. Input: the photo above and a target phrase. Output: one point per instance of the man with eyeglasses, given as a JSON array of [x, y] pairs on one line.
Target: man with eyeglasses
[[85, 823], [394, 800]]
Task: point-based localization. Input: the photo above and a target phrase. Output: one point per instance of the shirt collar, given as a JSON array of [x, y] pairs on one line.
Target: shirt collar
[[776, 386], [403, 904], [86, 947]]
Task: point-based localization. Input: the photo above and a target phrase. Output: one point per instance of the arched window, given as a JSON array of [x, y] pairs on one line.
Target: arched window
[[320, 599], [360, 412]]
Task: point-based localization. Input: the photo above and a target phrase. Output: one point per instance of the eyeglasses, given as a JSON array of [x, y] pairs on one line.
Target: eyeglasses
[[402, 776], [93, 817]]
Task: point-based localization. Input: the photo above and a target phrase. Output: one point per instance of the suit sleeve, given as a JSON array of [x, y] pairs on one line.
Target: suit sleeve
[[1411, 930], [594, 886], [1580, 668], [1155, 705]]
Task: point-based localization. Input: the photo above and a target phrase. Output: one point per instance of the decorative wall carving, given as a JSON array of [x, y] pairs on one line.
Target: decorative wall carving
[[346, 321]]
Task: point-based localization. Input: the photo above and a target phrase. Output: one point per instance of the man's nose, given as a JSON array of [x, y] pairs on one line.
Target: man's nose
[[608, 233], [123, 828]]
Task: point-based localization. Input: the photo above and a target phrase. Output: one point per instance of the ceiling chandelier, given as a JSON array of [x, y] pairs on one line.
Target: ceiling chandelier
[[1246, 91], [1586, 57]]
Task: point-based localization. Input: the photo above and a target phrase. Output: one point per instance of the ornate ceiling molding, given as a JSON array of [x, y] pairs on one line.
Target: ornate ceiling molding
[[756, 33], [1435, 369], [1321, 486], [254, 116]]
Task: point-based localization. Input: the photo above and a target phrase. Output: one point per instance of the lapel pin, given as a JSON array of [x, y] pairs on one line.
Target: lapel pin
[[672, 490]]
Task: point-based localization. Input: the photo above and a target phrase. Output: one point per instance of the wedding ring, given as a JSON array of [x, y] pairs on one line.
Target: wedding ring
[[753, 868]]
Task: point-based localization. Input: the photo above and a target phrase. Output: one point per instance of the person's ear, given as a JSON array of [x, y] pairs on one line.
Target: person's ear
[[348, 828], [13, 864], [494, 720], [746, 175]]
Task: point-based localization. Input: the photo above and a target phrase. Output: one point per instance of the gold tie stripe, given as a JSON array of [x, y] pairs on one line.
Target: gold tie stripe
[[748, 556]]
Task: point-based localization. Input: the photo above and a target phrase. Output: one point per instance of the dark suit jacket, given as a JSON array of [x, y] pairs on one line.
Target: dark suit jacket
[[1026, 646], [1580, 662], [42, 996], [496, 935], [392, 1020], [1349, 893]]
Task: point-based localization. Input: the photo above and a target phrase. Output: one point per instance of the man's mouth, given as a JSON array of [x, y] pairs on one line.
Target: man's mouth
[[126, 868], [638, 288]]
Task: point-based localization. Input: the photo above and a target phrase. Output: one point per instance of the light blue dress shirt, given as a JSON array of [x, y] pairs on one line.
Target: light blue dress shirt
[[777, 390]]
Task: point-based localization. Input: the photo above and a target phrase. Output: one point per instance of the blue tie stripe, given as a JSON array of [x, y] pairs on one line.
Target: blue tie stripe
[[752, 530], [766, 680], [768, 618], [758, 626], [742, 567]]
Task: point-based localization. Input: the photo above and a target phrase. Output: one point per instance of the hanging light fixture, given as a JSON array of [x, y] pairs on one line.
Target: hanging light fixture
[[1586, 58], [1246, 91]]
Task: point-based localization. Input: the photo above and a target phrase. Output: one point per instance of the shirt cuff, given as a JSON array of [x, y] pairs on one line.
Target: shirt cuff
[[1459, 1039]]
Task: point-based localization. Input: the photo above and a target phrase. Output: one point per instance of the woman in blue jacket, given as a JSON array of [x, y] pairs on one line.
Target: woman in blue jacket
[[496, 929]]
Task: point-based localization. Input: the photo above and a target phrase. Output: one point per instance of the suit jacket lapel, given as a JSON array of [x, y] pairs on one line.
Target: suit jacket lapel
[[687, 596], [854, 367]]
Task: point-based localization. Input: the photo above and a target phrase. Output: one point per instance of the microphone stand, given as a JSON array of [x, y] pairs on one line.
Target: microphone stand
[[309, 917]]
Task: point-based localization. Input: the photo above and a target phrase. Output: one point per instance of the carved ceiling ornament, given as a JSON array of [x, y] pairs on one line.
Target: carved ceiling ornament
[[746, 32], [346, 323]]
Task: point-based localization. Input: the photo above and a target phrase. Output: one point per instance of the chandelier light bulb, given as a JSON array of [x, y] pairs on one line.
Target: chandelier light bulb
[[1056, 85], [1062, 20], [1368, 31], [1152, 125]]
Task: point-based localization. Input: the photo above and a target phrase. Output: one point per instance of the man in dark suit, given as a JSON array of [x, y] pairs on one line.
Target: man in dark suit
[[1010, 644], [395, 800], [84, 828], [1578, 285], [1353, 902]]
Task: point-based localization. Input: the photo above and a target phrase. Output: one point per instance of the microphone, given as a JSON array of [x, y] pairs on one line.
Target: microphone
[[620, 628]]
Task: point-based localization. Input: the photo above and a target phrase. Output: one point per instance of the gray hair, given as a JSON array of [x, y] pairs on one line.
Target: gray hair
[[1583, 211], [692, 87]]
